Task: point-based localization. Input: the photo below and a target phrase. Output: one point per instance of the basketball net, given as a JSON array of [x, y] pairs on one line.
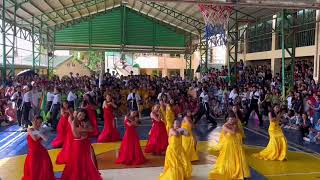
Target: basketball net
[[216, 18]]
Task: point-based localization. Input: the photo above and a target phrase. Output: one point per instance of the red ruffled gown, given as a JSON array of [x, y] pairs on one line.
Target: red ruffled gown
[[65, 152], [158, 138], [130, 152], [61, 131], [81, 164], [37, 165], [110, 133], [92, 114]]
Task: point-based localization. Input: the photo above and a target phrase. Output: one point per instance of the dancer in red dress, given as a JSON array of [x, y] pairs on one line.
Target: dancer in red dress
[[37, 165], [82, 163], [65, 152], [110, 132], [62, 126], [158, 137], [130, 152], [90, 107]]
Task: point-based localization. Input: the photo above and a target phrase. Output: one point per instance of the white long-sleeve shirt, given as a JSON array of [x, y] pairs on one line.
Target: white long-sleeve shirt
[[71, 96], [50, 96]]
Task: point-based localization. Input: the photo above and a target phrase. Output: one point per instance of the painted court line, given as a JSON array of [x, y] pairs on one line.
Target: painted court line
[[12, 141], [292, 174]]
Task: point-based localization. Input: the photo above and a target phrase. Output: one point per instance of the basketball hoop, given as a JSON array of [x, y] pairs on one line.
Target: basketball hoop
[[216, 18]]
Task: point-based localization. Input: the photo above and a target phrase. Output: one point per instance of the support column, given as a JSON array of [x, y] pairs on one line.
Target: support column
[[203, 47], [182, 73], [233, 36], [288, 46], [188, 58], [164, 72], [316, 62], [275, 66], [283, 53], [51, 40], [3, 31], [275, 63]]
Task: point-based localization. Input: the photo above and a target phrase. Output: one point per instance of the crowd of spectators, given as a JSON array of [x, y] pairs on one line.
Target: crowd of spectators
[[256, 91]]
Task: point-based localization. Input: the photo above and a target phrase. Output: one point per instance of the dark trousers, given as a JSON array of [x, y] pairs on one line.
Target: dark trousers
[[49, 104], [71, 104], [204, 111], [26, 114], [19, 116], [54, 116], [304, 131], [253, 107]]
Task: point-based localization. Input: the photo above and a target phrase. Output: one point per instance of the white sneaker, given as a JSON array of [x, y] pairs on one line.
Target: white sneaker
[[306, 139]]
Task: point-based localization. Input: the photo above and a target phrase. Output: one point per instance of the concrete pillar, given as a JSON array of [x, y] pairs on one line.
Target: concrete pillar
[[164, 72], [275, 65], [316, 62], [182, 73]]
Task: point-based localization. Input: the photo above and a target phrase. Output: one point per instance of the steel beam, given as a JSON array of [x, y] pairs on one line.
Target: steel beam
[[41, 12], [78, 10], [48, 3], [273, 4], [70, 14], [176, 15], [74, 8]]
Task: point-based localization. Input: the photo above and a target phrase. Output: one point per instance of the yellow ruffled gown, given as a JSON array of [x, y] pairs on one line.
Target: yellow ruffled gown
[[169, 117], [177, 166], [231, 162], [277, 147], [218, 146], [241, 131], [163, 114], [189, 143]]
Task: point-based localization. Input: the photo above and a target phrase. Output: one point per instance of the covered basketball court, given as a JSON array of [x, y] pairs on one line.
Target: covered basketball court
[[156, 26], [142, 26]]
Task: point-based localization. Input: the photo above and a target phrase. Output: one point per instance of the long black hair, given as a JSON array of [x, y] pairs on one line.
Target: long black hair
[[86, 117]]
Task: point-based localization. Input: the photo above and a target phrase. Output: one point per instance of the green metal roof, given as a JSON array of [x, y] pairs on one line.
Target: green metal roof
[[120, 26]]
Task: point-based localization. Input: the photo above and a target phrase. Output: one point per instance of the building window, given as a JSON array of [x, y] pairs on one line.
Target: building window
[[68, 65], [73, 65]]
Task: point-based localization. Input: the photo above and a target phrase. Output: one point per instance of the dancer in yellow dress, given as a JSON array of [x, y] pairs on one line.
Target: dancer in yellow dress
[[189, 142], [177, 165], [277, 147], [170, 116], [238, 113], [231, 162]]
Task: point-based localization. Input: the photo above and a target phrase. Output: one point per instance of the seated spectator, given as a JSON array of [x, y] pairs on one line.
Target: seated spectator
[[11, 113], [314, 133], [304, 125]]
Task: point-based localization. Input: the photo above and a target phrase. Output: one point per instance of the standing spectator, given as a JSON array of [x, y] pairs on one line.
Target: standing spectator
[[55, 108], [71, 98], [133, 100], [253, 106], [204, 108], [26, 107], [17, 99]]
